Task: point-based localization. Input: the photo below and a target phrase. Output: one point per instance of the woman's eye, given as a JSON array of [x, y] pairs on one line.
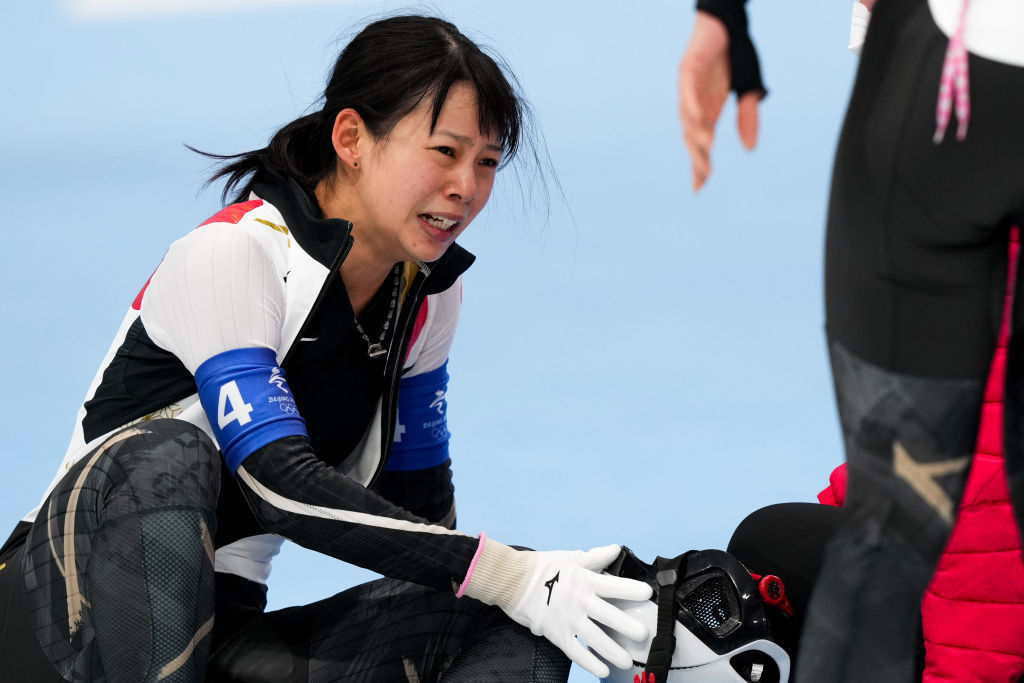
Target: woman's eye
[[489, 163], [447, 151]]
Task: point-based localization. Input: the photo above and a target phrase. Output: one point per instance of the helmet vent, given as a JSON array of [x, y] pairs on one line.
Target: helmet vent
[[756, 666], [711, 599]]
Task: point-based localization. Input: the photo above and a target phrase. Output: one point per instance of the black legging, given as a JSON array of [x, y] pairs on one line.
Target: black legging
[[114, 583], [915, 274], [385, 630]]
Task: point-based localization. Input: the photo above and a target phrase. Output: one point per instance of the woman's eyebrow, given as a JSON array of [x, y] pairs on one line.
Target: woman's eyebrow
[[465, 139]]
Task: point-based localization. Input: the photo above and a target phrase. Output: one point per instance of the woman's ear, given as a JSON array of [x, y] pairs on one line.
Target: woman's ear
[[349, 131]]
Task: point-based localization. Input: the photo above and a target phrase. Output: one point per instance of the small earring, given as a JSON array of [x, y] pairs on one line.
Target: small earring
[[355, 164]]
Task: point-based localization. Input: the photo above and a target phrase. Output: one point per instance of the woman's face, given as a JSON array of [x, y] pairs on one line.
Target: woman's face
[[419, 189]]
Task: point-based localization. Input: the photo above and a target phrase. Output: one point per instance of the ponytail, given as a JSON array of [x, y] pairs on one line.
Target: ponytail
[[300, 150]]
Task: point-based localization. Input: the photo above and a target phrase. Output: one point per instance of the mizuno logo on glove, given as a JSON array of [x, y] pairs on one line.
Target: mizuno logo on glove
[[550, 585]]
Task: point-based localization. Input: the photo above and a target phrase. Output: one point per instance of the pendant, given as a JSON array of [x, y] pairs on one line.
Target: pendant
[[376, 350]]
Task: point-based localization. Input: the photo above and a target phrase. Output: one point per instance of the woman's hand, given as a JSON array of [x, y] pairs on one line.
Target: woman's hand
[[704, 81], [560, 595]]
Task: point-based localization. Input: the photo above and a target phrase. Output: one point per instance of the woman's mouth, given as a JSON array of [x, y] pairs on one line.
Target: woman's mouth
[[443, 223]]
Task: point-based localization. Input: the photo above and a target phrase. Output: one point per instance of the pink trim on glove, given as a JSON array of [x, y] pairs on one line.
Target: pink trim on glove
[[472, 566]]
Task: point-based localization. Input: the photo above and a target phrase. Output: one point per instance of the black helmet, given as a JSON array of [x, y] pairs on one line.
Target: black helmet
[[708, 621]]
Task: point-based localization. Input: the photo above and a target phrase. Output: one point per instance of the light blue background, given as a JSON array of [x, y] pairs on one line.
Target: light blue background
[[642, 366]]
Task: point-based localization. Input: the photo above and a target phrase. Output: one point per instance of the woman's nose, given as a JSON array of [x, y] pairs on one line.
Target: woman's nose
[[463, 185]]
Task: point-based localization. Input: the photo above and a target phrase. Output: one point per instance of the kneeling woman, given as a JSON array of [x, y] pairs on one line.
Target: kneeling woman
[[285, 337]]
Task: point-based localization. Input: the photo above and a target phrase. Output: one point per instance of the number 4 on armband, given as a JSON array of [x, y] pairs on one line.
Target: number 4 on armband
[[231, 396]]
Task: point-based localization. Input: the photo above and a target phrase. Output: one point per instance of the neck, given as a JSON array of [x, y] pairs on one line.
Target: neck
[[363, 276], [363, 270]]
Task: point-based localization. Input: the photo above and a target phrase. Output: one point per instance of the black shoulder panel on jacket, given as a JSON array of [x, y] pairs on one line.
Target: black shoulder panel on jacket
[[141, 378]]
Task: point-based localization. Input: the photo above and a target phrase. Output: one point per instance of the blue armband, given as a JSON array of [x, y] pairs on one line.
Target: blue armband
[[421, 436], [247, 401]]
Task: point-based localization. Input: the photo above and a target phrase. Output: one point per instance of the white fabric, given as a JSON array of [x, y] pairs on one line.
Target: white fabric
[[859, 27], [217, 289], [249, 557], [430, 349], [994, 28], [560, 595]]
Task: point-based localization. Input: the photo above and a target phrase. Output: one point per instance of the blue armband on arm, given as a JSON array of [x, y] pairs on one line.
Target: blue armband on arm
[[247, 401], [421, 436]]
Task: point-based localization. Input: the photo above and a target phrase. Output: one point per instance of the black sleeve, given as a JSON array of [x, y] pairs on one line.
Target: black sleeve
[[296, 495], [746, 69], [426, 493]]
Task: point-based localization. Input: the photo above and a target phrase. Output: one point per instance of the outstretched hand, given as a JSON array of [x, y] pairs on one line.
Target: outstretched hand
[[567, 596], [562, 594], [704, 78]]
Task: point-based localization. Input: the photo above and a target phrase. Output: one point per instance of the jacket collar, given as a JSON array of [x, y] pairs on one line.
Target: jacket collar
[[446, 270], [325, 239]]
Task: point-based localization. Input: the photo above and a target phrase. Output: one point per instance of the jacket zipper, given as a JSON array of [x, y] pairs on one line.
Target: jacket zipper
[[395, 362]]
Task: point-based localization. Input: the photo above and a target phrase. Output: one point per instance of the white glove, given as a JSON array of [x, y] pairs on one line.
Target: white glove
[[560, 595]]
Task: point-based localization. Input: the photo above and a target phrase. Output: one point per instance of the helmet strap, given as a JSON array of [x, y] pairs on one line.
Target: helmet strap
[[663, 646]]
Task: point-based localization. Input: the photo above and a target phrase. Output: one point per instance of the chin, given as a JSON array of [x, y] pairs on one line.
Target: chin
[[428, 254]]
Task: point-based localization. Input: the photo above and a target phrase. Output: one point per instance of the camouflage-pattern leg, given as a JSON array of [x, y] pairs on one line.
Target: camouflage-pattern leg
[[908, 443], [118, 566]]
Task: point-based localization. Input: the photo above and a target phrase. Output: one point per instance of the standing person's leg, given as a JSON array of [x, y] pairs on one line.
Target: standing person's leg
[[118, 566], [386, 630], [915, 273]]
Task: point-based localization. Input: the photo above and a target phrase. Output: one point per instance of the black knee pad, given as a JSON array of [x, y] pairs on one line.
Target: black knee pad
[[165, 463], [909, 443]]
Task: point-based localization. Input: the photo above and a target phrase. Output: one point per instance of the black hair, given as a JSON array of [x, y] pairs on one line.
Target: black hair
[[384, 73]]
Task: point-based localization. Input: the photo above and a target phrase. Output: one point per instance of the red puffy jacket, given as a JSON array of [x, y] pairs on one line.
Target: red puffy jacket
[[973, 610]]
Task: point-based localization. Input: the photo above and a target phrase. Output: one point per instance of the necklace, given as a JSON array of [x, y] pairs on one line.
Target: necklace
[[376, 348]]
